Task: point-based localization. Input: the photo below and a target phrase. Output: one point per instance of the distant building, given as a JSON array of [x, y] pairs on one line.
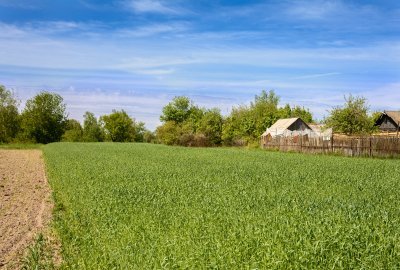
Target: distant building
[[389, 121], [320, 131], [295, 127], [286, 126]]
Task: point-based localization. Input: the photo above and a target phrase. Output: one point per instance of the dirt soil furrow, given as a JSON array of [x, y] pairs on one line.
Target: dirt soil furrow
[[25, 203]]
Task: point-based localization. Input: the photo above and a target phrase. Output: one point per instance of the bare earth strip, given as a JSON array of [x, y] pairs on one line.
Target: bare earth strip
[[25, 203]]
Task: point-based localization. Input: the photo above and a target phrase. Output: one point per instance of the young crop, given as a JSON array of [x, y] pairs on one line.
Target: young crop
[[143, 206]]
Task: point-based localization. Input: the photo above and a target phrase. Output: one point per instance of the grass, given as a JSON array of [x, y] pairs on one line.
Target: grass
[[143, 206], [39, 255]]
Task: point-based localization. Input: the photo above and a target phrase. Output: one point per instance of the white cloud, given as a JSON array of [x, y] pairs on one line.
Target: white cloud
[[317, 9], [318, 75], [151, 30], [187, 64], [384, 97], [151, 6]]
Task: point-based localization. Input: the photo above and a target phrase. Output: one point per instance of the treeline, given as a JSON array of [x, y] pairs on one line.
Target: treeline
[[44, 120], [184, 123]]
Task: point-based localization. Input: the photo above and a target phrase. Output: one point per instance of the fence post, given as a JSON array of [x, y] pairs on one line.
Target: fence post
[[301, 143], [370, 146], [332, 142], [351, 146]]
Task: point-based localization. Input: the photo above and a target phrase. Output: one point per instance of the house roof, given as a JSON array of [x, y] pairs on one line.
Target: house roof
[[316, 127], [282, 124], [395, 115]]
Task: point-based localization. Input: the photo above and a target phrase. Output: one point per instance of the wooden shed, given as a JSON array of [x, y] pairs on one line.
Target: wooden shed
[[283, 127], [389, 121]]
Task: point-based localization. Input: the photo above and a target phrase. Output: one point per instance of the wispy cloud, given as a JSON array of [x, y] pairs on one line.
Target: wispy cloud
[[151, 6], [384, 97], [19, 4], [313, 76], [152, 29], [315, 9], [310, 52]]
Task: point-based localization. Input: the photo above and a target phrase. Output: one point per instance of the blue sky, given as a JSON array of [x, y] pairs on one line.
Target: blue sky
[[137, 55]]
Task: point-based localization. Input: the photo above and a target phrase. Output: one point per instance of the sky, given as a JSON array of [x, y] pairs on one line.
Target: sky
[[136, 55]]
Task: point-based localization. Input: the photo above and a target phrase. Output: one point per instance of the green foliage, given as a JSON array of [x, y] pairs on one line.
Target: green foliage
[[140, 130], [246, 123], [145, 206], [168, 133], [39, 255], [44, 118], [297, 111], [238, 127], [374, 118], [149, 136], [352, 118], [178, 110], [73, 131], [9, 116], [210, 125], [264, 111], [119, 127], [189, 125], [92, 130]]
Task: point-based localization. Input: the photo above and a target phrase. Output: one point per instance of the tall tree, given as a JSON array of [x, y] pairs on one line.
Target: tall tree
[[352, 118], [247, 123], [119, 126], [44, 118], [92, 130], [296, 111], [9, 116], [210, 125], [264, 112], [178, 110]]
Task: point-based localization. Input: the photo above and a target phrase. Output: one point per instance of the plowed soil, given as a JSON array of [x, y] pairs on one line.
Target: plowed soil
[[25, 203]]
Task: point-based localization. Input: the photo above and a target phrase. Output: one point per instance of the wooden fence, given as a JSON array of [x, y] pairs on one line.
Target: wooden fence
[[349, 146]]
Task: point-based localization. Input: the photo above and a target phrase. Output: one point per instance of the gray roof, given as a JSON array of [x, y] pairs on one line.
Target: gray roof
[[395, 115], [316, 127], [282, 124]]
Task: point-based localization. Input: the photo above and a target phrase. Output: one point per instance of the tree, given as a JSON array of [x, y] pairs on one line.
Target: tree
[[9, 116], [352, 118], [178, 110], [246, 123], [297, 111], [210, 125], [264, 112], [73, 131], [168, 133], [44, 118], [119, 127], [140, 130], [92, 130], [238, 128], [149, 136]]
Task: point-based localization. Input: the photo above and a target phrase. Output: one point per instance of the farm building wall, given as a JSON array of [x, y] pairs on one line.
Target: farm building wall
[[386, 123], [298, 125]]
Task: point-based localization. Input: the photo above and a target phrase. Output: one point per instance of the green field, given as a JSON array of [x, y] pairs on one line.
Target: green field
[[142, 206]]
